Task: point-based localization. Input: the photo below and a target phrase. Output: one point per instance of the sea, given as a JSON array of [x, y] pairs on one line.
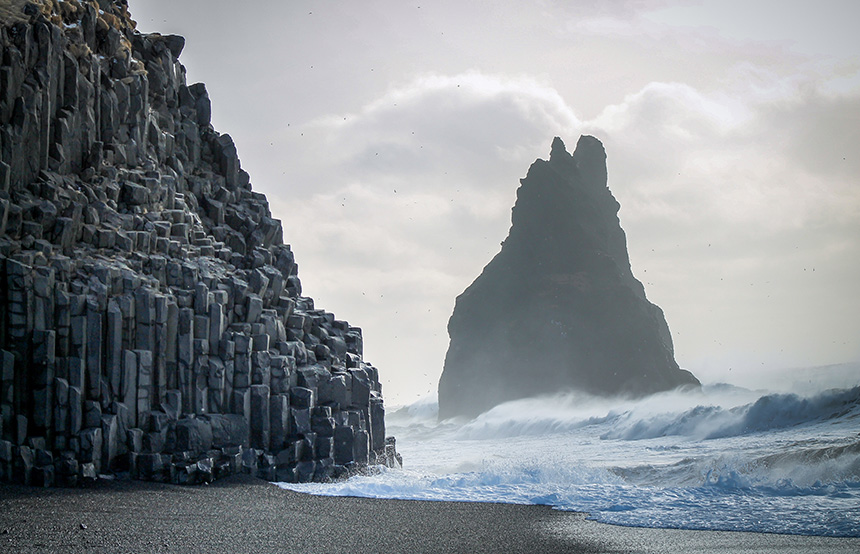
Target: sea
[[722, 458]]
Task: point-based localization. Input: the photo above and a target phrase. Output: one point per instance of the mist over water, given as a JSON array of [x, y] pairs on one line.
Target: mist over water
[[723, 458]]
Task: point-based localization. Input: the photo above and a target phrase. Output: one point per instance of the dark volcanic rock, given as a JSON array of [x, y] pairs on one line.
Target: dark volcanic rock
[[558, 307], [151, 316]]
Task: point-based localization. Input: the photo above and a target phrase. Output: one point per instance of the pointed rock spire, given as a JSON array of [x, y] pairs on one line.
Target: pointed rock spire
[[557, 150], [558, 307]]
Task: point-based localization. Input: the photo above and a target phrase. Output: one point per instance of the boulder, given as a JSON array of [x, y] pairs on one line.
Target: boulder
[[193, 435]]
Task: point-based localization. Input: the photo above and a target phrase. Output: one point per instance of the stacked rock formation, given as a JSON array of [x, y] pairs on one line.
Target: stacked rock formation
[[151, 317], [558, 308]]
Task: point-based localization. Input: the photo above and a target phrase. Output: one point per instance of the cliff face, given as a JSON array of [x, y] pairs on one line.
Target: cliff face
[[151, 317], [558, 307]]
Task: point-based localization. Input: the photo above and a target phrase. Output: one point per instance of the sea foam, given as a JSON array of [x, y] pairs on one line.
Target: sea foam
[[723, 458]]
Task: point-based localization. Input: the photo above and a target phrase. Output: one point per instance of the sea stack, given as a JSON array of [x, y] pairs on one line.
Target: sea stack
[[152, 321], [558, 308]]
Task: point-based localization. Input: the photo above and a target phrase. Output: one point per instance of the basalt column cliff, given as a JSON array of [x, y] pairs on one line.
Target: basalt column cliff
[[558, 307], [151, 318]]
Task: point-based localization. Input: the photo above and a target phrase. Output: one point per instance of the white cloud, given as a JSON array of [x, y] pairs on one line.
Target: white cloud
[[721, 200], [824, 27], [743, 218], [408, 199], [439, 124]]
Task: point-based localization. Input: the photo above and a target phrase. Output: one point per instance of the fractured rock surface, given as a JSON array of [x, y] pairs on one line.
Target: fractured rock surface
[[151, 317], [558, 308]]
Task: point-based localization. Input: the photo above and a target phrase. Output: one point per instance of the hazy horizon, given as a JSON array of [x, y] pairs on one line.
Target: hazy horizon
[[390, 139]]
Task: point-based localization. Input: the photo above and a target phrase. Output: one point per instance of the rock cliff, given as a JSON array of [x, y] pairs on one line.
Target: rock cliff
[[558, 307], [151, 317]]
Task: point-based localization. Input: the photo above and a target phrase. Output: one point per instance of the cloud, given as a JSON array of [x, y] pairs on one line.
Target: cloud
[[820, 131], [446, 124], [767, 166], [439, 153], [743, 217], [391, 149], [425, 176], [403, 202], [723, 199], [822, 28]]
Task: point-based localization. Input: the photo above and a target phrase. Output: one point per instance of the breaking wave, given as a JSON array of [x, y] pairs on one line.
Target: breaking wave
[[769, 412], [724, 458], [715, 413]]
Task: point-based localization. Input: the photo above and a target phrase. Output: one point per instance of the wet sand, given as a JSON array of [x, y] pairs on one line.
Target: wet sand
[[243, 514]]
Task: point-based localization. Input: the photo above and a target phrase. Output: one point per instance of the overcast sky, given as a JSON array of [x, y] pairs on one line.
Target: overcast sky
[[390, 137]]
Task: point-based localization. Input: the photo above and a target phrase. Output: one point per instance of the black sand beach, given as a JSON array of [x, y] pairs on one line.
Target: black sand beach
[[242, 514]]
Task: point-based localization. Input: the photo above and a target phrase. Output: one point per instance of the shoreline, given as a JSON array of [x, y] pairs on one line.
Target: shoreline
[[245, 514]]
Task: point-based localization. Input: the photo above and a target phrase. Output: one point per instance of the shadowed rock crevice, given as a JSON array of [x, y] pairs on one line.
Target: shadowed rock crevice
[[558, 308]]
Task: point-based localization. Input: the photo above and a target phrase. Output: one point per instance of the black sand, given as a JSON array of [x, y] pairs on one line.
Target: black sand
[[242, 514]]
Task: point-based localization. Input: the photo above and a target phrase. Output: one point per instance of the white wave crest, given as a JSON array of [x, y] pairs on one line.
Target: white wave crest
[[769, 412], [713, 412]]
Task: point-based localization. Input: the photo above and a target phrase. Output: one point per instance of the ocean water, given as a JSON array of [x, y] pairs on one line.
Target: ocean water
[[724, 458]]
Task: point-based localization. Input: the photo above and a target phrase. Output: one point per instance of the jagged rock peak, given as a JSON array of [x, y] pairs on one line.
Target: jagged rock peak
[[557, 150], [558, 308]]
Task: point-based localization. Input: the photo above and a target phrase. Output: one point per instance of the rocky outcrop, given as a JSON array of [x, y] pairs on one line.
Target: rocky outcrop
[[558, 307], [151, 317]]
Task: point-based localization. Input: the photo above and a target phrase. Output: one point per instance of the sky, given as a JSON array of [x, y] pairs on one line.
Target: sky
[[390, 136]]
